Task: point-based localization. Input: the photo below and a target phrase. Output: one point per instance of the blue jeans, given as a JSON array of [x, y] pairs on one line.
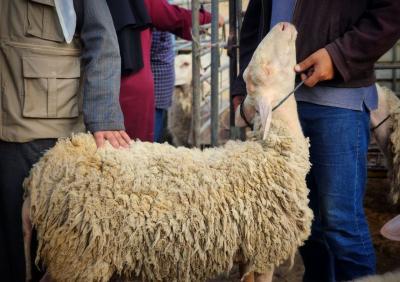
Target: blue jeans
[[340, 246]]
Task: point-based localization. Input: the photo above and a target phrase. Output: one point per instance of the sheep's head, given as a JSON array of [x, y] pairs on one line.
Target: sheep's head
[[270, 74], [183, 70]]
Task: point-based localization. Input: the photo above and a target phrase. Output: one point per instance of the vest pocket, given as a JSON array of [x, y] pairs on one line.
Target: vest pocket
[[43, 20], [51, 87]]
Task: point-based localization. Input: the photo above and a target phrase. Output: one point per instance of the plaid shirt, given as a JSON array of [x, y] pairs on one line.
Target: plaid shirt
[[162, 66]]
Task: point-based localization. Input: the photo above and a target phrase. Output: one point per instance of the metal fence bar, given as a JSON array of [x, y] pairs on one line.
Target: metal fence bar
[[239, 15], [196, 73], [214, 72], [385, 66], [394, 71], [235, 11], [207, 75]]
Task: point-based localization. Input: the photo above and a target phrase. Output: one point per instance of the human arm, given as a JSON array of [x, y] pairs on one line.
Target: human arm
[[101, 81], [354, 54], [172, 18]]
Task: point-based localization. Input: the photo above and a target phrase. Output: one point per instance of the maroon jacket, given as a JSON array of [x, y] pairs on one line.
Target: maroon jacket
[[355, 33]]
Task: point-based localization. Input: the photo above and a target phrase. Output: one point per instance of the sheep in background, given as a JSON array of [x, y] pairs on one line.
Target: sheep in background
[[180, 112], [160, 213], [387, 135]]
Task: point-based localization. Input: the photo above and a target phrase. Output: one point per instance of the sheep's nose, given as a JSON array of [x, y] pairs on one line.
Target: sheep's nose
[[285, 26]]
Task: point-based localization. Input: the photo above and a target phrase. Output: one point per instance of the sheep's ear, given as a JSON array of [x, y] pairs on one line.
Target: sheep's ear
[[265, 115]]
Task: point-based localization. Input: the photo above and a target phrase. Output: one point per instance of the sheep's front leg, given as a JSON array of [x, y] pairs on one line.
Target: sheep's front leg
[[249, 277], [255, 277], [27, 231]]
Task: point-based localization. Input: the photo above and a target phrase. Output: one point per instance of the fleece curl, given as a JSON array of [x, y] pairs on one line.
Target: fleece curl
[[154, 212]]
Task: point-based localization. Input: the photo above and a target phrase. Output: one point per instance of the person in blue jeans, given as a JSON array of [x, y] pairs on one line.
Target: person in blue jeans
[[337, 45]]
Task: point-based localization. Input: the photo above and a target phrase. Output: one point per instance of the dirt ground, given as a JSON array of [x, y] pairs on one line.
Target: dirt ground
[[378, 211]]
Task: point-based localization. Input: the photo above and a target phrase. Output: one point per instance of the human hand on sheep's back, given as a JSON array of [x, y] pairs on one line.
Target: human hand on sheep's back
[[315, 68], [116, 138]]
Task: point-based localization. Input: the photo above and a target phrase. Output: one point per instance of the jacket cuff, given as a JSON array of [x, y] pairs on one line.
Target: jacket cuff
[[338, 60], [105, 126]]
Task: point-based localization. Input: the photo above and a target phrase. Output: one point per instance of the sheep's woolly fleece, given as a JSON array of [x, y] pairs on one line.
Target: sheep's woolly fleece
[[180, 115], [394, 144], [160, 213]]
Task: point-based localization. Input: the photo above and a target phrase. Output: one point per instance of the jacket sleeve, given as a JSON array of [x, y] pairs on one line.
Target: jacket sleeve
[[172, 18], [249, 40], [102, 68], [355, 53]]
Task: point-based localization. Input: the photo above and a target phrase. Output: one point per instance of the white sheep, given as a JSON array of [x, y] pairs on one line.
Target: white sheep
[[385, 124], [180, 113], [159, 213]]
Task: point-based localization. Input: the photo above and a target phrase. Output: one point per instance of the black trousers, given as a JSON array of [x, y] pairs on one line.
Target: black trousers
[[16, 160]]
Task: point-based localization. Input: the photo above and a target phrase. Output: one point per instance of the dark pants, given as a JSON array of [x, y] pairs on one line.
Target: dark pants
[[340, 246], [159, 125], [16, 160]]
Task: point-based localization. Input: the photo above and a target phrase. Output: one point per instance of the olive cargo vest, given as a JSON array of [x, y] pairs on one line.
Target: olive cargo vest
[[40, 85]]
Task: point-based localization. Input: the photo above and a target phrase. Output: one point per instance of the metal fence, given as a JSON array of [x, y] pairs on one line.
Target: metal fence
[[208, 39], [388, 69]]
